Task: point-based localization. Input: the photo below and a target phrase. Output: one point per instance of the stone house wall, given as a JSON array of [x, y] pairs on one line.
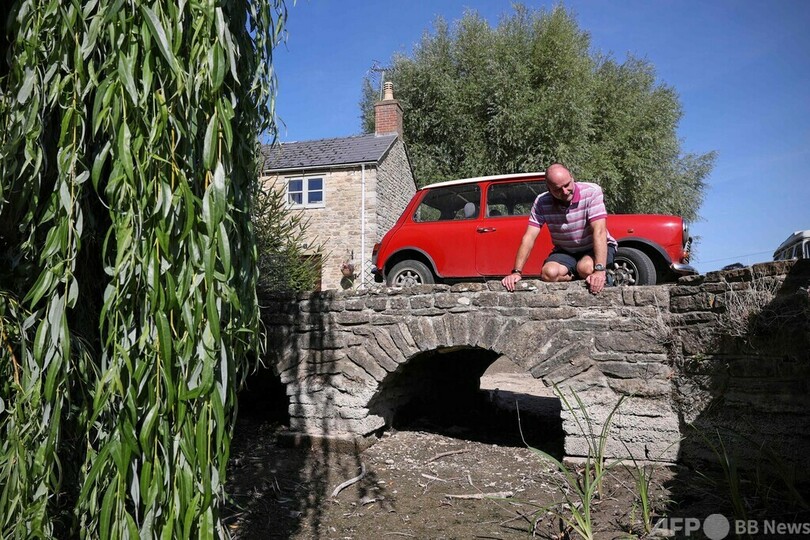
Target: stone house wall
[[395, 187], [337, 224]]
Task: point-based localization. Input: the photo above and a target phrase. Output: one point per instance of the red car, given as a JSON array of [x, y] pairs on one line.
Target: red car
[[471, 229]]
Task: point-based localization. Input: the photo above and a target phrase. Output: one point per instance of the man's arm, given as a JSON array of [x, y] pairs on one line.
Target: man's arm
[[596, 281], [525, 249]]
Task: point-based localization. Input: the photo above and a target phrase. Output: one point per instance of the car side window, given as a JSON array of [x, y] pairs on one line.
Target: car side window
[[513, 198], [449, 203]]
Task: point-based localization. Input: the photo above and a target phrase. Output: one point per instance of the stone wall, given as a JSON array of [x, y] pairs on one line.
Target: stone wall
[[741, 352], [676, 354], [395, 187]]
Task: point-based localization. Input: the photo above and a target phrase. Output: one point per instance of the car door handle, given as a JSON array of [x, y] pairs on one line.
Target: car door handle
[[485, 229]]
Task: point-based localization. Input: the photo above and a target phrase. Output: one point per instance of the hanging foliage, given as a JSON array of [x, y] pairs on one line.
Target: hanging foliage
[[128, 313]]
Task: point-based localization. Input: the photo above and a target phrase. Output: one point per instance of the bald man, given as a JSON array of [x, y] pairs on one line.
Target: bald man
[[575, 215]]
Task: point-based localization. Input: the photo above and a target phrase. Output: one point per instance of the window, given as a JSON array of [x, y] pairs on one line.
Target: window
[[449, 203], [514, 198], [305, 191]]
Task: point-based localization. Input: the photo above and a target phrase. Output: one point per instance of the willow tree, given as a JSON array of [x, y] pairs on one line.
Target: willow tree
[[128, 313], [517, 96]]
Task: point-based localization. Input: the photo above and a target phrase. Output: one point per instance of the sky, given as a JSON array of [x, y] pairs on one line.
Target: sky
[[741, 69]]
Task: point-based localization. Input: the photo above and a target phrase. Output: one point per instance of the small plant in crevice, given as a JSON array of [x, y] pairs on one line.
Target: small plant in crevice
[[644, 508], [580, 488]]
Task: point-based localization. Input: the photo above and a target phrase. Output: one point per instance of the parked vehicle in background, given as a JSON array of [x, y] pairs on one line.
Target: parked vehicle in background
[[797, 246], [471, 229]]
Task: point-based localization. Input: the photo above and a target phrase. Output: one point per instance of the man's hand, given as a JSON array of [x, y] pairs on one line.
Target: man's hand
[[510, 281], [596, 282]]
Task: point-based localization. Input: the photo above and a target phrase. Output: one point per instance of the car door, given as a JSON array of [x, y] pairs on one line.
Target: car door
[[443, 227], [499, 231]]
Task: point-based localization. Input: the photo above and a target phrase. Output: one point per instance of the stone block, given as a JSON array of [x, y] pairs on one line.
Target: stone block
[[641, 387], [378, 353], [540, 299], [387, 344], [384, 320], [348, 318], [553, 314], [401, 336], [468, 287], [421, 302], [353, 413], [423, 333], [632, 342], [354, 304], [362, 358], [485, 299], [635, 370], [458, 330], [377, 303]]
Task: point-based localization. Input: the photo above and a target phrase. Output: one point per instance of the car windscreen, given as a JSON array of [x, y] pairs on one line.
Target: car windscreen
[[449, 203], [513, 198]]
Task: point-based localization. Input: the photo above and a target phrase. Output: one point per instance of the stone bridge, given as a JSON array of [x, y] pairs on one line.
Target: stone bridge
[[682, 356]]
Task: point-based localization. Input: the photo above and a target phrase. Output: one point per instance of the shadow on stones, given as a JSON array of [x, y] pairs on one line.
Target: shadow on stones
[[278, 479], [744, 400], [440, 392]]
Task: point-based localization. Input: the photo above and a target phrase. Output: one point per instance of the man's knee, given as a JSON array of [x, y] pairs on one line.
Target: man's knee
[[555, 272], [585, 267]]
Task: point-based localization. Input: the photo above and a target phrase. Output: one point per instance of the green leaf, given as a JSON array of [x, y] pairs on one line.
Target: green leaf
[[159, 35], [125, 151], [210, 143], [145, 433], [216, 64], [126, 68], [213, 313], [27, 86], [42, 286], [98, 163]]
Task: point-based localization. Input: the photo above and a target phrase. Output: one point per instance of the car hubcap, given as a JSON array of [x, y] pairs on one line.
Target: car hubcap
[[625, 273], [408, 278]]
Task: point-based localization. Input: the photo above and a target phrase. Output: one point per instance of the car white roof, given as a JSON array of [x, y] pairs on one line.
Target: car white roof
[[794, 238], [513, 176]]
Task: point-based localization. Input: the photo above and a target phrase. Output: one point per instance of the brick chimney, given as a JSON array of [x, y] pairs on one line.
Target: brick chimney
[[388, 114]]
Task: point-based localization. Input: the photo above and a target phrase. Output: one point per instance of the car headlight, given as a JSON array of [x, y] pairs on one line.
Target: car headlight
[[685, 237]]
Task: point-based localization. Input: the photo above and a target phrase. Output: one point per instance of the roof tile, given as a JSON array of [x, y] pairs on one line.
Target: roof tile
[[368, 148]]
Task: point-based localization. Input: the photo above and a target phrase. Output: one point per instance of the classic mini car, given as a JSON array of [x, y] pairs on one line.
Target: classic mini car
[[471, 229]]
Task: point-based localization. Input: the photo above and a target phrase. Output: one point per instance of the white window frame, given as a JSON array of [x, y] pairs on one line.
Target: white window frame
[[305, 191]]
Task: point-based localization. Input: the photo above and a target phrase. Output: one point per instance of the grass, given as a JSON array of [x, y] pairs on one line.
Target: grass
[[579, 490]]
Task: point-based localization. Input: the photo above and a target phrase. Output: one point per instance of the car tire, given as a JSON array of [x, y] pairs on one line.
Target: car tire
[[408, 274], [633, 267]]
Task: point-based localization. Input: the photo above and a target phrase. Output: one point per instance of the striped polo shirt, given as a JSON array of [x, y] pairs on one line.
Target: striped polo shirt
[[569, 223]]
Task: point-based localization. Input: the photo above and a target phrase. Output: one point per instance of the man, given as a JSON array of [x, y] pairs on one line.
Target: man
[[575, 214]]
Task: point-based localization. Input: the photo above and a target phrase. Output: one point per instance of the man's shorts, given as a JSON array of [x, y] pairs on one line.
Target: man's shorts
[[569, 259]]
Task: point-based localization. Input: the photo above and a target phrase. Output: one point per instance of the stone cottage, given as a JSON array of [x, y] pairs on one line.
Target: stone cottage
[[352, 189]]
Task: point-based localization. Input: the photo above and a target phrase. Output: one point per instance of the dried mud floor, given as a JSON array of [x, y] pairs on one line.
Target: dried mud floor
[[415, 475]]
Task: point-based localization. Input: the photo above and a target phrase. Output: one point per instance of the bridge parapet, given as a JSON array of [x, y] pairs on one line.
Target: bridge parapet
[[349, 359]]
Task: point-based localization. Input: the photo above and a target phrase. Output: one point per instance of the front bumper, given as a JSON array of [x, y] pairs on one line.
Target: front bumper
[[683, 269]]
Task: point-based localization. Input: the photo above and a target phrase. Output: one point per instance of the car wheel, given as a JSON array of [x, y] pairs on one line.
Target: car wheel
[[633, 267], [408, 274]]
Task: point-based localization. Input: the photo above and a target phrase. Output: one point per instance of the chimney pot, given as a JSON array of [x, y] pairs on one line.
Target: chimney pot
[[388, 113]]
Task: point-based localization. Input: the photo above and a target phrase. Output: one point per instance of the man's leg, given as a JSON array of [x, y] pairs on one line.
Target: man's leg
[[555, 272], [559, 267], [585, 266]]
